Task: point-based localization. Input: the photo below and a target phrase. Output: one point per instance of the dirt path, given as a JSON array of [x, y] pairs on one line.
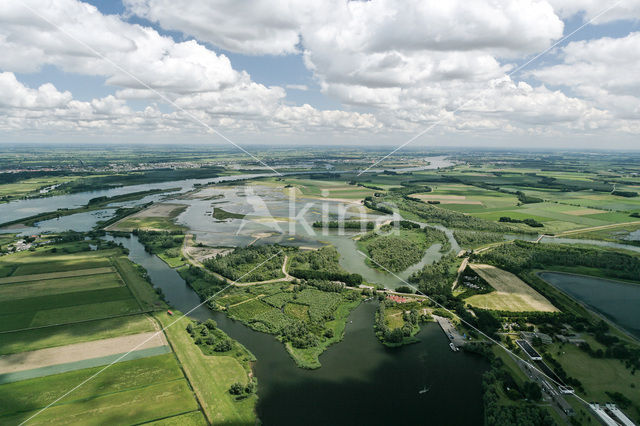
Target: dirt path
[[79, 352], [248, 300], [188, 239]]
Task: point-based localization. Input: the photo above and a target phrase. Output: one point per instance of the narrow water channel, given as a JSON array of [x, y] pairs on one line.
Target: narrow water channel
[[360, 382]]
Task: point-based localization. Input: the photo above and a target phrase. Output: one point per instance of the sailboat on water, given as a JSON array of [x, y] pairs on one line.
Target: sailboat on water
[[424, 390]]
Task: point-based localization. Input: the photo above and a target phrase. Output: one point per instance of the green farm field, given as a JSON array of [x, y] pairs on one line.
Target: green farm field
[[59, 286], [132, 392], [41, 338]]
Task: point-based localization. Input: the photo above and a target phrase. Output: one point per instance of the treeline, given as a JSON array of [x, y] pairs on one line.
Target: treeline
[[348, 224], [529, 221], [527, 199], [523, 255], [204, 284], [452, 219], [312, 274], [627, 194], [472, 239], [94, 183]]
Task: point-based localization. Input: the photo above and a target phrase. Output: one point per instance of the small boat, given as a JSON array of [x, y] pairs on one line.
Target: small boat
[[453, 347], [424, 390], [169, 312]]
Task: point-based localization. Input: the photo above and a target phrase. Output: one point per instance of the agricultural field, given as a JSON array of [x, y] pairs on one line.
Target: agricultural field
[[50, 287], [139, 391], [511, 293], [42, 338], [32, 187], [335, 190], [65, 314]]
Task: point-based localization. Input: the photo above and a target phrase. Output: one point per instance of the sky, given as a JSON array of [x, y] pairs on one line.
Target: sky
[[494, 73]]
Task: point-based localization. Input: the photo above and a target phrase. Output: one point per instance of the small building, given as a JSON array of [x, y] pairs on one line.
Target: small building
[[567, 390]]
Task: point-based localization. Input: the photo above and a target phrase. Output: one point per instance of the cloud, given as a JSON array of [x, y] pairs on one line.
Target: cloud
[[603, 71], [396, 66], [140, 63], [256, 27], [301, 87], [588, 9]]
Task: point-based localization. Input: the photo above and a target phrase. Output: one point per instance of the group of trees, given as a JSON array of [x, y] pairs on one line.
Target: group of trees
[[160, 241], [526, 414], [397, 335], [298, 334], [321, 265], [209, 337], [347, 224], [527, 199], [471, 239], [523, 255], [394, 253], [253, 263], [436, 278], [529, 221]]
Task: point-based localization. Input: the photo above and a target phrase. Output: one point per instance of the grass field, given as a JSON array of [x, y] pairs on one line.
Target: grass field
[[42, 338], [599, 375], [132, 392], [158, 217], [511, 293], [313, 188], [139, 287], [211, 377]]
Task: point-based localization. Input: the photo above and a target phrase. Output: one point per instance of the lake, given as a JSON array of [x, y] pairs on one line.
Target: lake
[[616, 300], [360, 382]]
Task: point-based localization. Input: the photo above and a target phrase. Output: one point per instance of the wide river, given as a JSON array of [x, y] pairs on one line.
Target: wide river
[[360, 381]]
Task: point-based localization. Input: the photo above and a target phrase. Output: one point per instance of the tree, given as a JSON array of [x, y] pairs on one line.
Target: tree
[[532, 391], [236, 388], [223, 346]]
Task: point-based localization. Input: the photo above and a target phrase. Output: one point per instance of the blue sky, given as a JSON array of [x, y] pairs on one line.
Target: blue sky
[[290, 71]]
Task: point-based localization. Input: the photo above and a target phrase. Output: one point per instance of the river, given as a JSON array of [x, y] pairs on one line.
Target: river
[[360, 382], [616, 300]]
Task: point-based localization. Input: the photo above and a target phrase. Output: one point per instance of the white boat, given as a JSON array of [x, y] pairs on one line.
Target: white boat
[[424, 390], [453, 347]]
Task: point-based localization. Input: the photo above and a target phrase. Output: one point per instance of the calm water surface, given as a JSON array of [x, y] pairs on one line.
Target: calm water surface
[[618, 301], [360, 383]]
